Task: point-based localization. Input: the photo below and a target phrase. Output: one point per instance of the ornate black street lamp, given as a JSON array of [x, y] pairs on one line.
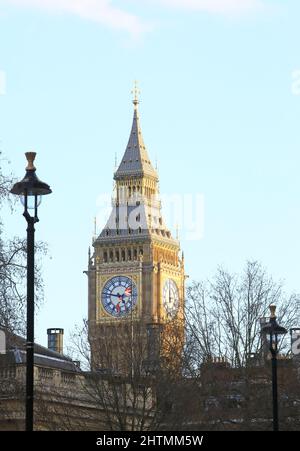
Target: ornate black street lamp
[[30, 189], [272, 330]]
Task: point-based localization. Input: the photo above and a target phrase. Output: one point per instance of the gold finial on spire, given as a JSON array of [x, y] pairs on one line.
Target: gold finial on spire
[[136, 92]]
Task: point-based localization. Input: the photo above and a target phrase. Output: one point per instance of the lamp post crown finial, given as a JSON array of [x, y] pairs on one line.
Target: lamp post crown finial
[[30, 156], [272, 308]]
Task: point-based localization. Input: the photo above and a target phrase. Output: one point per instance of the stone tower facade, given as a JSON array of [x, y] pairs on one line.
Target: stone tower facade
[[135, 275]]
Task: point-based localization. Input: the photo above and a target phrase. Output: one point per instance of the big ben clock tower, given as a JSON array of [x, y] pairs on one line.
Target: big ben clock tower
[[135, 275]]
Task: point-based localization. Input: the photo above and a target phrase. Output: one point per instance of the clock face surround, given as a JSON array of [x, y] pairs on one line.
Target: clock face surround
[[170, 298], [119, 296]]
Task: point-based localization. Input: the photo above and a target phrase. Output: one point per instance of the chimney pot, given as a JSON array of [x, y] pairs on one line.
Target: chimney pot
[[56, 339]]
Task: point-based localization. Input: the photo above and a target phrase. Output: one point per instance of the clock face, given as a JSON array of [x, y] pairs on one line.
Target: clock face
[[170, 298], [119, 296]]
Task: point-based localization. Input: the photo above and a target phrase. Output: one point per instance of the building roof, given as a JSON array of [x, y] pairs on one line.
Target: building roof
[[17, 356], [135, 161], [15, 352]]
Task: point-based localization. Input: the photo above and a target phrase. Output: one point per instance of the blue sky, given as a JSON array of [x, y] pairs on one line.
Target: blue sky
[[220, 108]]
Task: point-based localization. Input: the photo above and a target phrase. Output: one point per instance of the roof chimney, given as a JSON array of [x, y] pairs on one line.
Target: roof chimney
[[56, 340]]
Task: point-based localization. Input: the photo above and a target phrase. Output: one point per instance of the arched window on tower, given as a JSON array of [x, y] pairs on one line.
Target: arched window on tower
[[105, 257], [135, 254], [123, 255], [129, 254], [117, 256], [111, 256]]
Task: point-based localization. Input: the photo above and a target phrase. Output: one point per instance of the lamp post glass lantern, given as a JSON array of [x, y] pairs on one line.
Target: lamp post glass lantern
[[30, 189], [272, 330]]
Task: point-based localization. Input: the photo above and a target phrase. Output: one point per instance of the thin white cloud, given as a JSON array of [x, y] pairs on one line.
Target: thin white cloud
[[215, 6], [101, 11], [107, 14]]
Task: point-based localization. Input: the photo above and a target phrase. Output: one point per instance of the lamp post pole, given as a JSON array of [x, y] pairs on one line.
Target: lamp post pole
[[30, 187], [30, 320], [274, 386], [273, 330]]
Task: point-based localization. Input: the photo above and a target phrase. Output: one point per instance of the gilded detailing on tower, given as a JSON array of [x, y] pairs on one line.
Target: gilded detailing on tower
[[135, 272]]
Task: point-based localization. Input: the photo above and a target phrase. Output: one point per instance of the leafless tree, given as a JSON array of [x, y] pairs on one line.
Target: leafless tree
[[223, 315], [134, 392], [225, 352], [13, 266]]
